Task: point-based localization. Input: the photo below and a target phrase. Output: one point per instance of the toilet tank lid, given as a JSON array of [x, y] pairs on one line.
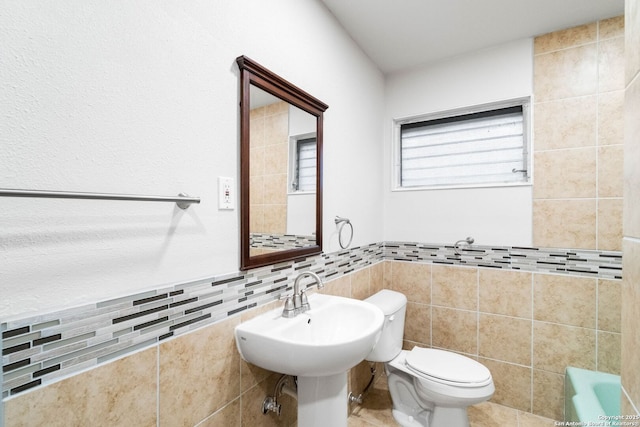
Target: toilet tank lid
[[388, 301]]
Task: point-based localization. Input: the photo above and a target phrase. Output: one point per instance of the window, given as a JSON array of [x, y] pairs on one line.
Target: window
[[486, 147], [305, 165]]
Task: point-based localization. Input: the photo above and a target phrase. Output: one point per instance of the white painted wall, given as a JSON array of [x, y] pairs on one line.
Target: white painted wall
[[142, 97], [493, 216]]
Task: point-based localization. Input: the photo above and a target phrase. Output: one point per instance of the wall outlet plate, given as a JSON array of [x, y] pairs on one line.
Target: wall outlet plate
[[226, 193]]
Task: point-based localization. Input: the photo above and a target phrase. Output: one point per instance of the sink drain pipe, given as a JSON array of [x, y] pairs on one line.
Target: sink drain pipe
[[287, 385], [360, 398]]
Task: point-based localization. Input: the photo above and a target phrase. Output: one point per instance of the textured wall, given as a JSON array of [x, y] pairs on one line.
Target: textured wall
[[142, 98]]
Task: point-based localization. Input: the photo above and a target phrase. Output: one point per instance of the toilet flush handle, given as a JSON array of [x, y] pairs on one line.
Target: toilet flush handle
[[392, 318]]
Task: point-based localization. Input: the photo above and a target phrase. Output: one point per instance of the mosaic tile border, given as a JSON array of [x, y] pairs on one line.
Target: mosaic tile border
[[280, 241], [41, 349], [580, 262]]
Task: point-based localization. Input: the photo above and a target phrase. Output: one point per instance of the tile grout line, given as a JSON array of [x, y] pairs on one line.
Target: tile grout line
[[431, 307], [597, 141], [477, 313], [531, 341], [597, 324], [631, 402], [158, 386]]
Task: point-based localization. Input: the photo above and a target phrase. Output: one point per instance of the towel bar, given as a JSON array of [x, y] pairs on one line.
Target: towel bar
[[182, 200]]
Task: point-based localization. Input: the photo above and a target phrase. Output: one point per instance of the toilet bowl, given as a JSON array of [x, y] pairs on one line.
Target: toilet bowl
[[428, 387]]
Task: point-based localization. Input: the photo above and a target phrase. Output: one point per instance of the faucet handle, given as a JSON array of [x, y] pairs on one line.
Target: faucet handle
[[289, 309], [297, 301], [304, 302]]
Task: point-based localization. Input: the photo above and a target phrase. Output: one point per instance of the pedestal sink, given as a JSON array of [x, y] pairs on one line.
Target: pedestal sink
[[319, 347]]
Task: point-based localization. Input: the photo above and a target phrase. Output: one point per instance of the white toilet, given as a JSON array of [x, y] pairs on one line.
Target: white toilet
[[429, 387]]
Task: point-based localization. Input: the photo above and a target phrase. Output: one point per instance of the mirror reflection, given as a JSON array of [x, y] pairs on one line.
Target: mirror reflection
[[282, 197]]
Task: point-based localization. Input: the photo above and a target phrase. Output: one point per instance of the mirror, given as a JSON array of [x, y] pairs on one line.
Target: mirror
[[280, 168]]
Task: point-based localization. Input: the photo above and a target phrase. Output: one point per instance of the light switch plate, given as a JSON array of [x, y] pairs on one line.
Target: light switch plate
[[226, 193]]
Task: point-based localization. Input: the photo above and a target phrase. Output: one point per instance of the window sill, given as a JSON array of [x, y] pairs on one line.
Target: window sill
[[462, 187]]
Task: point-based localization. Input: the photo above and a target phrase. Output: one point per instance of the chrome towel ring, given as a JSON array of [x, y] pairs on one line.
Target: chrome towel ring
[[456, 245], [343, 222]]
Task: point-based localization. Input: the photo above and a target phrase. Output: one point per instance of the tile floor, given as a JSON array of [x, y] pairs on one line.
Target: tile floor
[[376, 412]]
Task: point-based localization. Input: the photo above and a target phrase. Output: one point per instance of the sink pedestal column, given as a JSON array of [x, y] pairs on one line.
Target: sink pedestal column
[[323, 401]]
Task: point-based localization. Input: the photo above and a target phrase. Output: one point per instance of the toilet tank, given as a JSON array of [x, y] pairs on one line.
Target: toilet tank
[[394, 306]]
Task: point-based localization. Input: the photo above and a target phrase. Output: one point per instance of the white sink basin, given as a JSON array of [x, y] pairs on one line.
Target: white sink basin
[[331, 338]]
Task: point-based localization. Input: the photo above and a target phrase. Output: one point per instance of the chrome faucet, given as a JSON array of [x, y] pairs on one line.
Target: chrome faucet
[[298, 302]]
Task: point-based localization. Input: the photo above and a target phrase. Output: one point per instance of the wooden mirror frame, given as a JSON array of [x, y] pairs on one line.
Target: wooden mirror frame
[[252, 73]]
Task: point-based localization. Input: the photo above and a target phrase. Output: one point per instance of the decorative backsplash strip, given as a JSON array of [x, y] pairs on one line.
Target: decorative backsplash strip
[[280, 241], [41, 349], [580, 262]]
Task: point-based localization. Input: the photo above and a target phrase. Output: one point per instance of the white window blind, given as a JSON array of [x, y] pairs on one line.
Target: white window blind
[[306, 165], [481, 148]]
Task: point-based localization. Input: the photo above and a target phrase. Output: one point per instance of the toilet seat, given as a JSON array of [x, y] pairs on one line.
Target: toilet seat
[[447, 368]]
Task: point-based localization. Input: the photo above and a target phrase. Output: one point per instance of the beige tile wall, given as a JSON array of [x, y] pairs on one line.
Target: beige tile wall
[[194, 379], [631, 244], [578, 137], [525, 327], [269, 163], [117, 394]]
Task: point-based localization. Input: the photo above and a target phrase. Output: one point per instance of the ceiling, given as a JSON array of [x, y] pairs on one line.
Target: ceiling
[[401, 34]]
